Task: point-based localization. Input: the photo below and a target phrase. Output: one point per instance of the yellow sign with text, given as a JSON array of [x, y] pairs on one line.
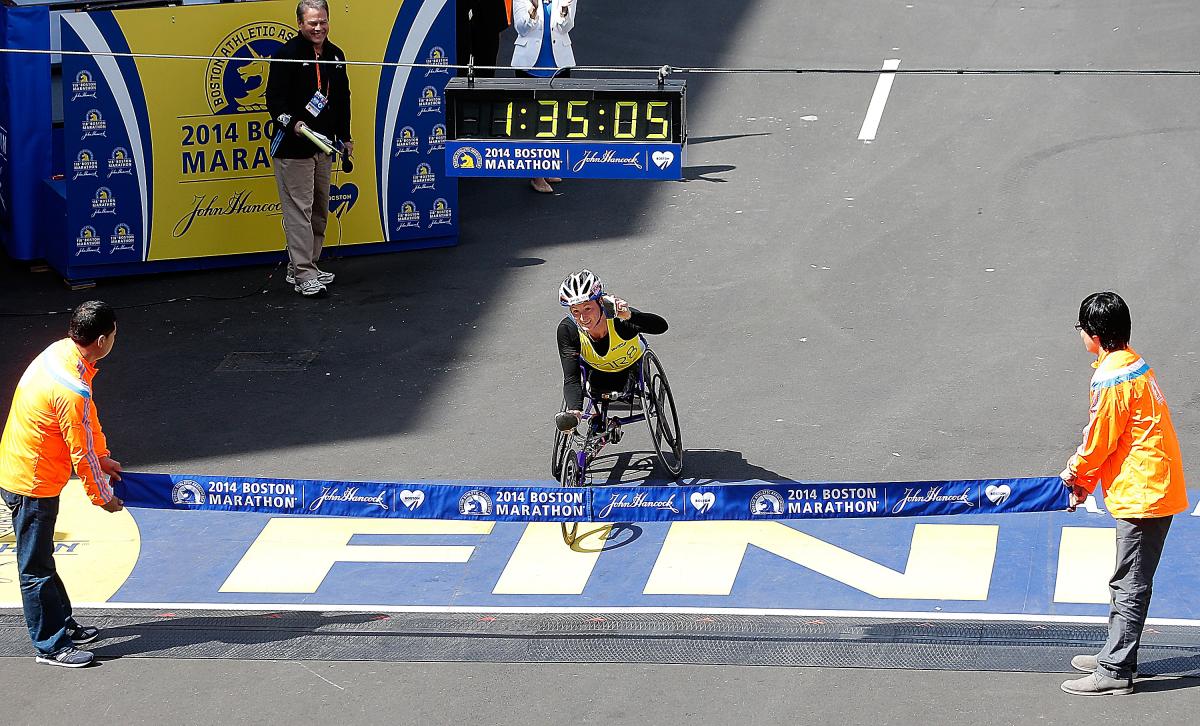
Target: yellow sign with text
[[213, 188]]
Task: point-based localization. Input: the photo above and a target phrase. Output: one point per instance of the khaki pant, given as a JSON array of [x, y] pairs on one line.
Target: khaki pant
[[304, 196]]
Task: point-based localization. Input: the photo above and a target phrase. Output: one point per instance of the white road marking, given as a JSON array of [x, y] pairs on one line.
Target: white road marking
[[878, 100], [535, 610]]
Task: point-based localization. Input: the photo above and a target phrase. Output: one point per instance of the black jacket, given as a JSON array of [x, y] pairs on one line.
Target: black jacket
[[290, 86]]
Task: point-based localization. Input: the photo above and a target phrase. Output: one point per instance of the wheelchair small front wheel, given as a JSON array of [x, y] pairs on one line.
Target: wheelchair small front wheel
[[558, 454]]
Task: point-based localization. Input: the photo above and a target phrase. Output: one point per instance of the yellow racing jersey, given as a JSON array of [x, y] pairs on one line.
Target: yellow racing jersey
[[621, 353]]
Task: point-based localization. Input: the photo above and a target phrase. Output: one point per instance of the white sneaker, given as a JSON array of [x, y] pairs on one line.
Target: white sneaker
[[311, 288], [325, 278]]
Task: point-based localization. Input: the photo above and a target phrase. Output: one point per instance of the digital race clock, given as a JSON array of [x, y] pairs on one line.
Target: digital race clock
[[568, 127]]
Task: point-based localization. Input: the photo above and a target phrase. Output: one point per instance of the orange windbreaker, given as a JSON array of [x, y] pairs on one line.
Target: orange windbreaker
[[1129, 446], [53, 425]]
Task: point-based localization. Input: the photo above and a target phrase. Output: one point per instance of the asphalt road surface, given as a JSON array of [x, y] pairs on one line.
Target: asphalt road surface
[[839, 310]]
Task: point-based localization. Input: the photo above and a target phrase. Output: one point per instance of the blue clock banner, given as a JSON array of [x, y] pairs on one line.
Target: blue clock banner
[[532, 501], [566, 159]]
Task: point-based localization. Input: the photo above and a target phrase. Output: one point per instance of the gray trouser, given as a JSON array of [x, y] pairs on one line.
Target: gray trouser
[[1139, 548], [304, 195]]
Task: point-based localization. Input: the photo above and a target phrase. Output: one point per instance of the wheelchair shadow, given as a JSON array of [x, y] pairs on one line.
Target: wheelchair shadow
[[701, 467], [610, 536], [705, 467]]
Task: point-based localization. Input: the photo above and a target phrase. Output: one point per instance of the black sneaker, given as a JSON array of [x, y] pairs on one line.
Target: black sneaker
[[83, 634], [68, 658]]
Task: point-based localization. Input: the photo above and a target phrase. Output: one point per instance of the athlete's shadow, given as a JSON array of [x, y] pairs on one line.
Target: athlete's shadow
[[216, 635], [706, 467], [701, 467]]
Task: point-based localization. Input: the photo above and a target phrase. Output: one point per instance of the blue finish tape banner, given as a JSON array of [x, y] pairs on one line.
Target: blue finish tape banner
[[519, 501], [622, 160]]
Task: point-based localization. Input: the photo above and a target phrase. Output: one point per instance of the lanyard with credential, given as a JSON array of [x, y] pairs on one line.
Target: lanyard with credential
[[318, 65]]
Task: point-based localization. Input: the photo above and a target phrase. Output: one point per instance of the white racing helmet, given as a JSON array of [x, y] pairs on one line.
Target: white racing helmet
[[579, 287]]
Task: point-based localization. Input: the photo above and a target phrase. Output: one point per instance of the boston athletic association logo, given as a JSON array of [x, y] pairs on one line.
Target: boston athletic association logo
[[437, 138], [87, 240], [439, 61], [408, 216], [120, 162], [187, 492], [466, 157], [766, 503], [475, 503], [85, 164], [423, 177], [84, 86], [407, 141], [93, 124], [440, 213], [430, 101], [121, 238], [236, 81]]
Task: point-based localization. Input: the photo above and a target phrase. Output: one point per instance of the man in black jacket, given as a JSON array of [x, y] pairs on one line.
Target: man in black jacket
[[316, 96]]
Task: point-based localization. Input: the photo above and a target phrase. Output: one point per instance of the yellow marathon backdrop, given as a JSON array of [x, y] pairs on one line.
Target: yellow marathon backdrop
[[202, 169]]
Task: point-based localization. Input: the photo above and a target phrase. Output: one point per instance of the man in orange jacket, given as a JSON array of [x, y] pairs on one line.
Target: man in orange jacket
[[1130, 449], [52, 427]]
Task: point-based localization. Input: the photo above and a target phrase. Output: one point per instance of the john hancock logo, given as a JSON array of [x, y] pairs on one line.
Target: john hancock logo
[[104, 202], [423, 177], [85, 164], [441, 213], [236, 81], [350, 495], [120, 162], [437, 57], [437, 138], [121, 239], [466, 157], [93, 124], [87, 241], [84, 86], [430, 101], [407, 142], [408, 216], [475, 503]]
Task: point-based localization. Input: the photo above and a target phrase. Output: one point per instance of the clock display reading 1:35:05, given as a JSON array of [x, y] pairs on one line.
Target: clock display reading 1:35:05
[[567, 119]]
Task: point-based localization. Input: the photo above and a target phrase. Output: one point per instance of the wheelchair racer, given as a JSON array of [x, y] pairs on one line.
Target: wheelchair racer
[[602, 333]]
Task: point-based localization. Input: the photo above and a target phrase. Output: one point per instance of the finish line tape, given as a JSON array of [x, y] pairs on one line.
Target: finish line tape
[[516, 501]]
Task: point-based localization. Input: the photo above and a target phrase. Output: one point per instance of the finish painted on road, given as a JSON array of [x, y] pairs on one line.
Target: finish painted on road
[[1027, 566]]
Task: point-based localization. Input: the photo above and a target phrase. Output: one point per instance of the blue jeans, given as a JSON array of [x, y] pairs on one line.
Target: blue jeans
[[43, 595]]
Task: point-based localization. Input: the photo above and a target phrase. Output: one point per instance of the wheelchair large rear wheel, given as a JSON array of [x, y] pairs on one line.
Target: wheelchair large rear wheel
[[661, 415]]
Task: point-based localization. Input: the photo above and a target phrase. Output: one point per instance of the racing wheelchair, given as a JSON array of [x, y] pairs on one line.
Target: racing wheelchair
[[647, 398]]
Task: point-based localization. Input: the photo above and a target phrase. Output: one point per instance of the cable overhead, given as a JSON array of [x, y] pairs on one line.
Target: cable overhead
[[799, 70]]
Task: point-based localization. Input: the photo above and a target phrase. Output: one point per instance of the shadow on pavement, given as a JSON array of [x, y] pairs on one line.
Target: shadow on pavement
[[230, 636], [396, 332]]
